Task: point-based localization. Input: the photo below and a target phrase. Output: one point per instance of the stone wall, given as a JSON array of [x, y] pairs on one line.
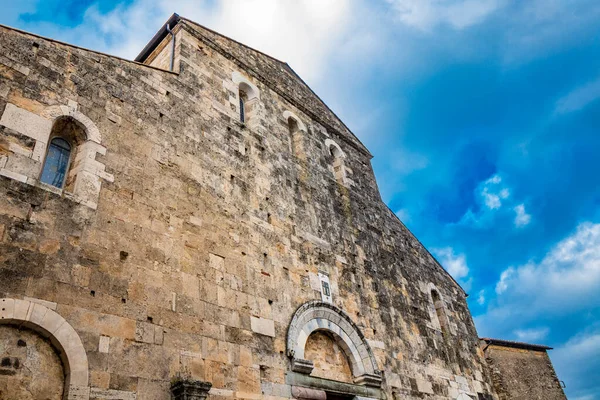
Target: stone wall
[[523, 374], [206, 235], [329, 358]]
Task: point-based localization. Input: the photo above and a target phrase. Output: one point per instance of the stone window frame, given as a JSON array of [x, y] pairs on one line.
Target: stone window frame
[[51, 325], [317, 315], [324, 280], [443, 324], [297, 136], [250, 100], [338, 167], [87, 172]]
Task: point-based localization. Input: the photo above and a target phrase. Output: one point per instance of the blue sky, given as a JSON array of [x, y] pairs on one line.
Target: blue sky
[[482, 115]]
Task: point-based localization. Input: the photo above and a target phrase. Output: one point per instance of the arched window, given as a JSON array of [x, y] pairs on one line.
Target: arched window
[[338, 166], [57, 163], [248, 99], [440, 311], [297, 131], [67, 133]]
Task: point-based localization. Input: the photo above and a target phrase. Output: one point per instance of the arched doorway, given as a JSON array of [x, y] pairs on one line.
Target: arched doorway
[[52, 329], [30, 368], [330, 357]]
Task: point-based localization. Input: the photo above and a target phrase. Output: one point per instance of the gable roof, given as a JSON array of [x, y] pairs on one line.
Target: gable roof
[[276, 74]]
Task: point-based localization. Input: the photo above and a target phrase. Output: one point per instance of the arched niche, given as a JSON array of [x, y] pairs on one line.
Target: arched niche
[[61, 334], [334, 149], [287, 115], [438, 313], [244, 84], [91, 130], [319, 316]]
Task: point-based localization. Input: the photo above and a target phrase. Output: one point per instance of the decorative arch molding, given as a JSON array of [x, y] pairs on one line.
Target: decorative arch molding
[[55, 112], [61, 334], [339, 153], [319, 316], [244, 83], [431, 287], [287, 114]]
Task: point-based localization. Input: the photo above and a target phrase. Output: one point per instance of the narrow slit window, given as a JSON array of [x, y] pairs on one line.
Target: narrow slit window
[[242, 108], [57, 163]]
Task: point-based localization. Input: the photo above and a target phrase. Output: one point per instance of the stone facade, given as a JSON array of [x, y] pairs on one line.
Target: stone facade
[[188, 246], [521, 371]]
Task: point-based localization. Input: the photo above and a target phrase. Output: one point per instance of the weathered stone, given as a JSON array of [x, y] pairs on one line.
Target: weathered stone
[[186, 242], [521, 370], [190, 390]]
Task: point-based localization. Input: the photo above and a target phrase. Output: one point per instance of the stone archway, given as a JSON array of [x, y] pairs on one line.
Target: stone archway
[[61, 334], [316, 316]]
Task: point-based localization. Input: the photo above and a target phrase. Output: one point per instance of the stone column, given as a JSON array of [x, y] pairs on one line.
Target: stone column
[[187, 389]]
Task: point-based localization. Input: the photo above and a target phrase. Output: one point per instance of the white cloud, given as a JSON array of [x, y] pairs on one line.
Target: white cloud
[[481, 297], [491, 196], [492, 201], [563, 285], [455, 264], [532, 335], [428, 14], [567, 279], [495, 201], [579, 98], [304, 33], [522, 218], [493, 193], [502, 284], [494, 179]]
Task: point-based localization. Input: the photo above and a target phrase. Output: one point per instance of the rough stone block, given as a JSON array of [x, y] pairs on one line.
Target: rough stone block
[[424, 386], [104, 344], [144, 332], [263, 326], [26, 123]]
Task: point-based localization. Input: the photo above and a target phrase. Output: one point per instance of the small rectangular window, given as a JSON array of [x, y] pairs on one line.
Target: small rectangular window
[[325, 287]]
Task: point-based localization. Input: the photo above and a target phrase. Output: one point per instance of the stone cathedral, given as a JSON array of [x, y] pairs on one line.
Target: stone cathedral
[[197, 224]]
